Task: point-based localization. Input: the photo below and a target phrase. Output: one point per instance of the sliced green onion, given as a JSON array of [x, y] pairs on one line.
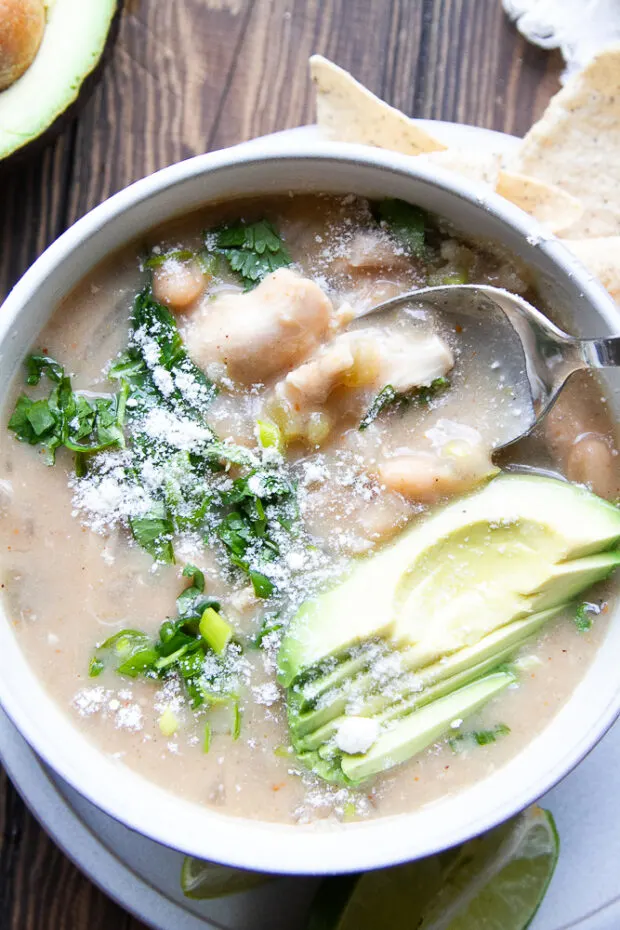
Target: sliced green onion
[[215, 630], [95, 668], [269, 435], [236, 724], [158, 259], [206, 743], [168, 722], [439, 278]]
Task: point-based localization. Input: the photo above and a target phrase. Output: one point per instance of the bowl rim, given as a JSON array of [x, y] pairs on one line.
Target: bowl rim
[[264, 845]]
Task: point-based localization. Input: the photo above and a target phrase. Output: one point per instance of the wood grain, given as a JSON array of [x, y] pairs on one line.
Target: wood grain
[[194, 75]]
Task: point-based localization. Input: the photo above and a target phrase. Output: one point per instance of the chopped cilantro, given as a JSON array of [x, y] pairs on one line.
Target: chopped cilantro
[[583, 616], [270, 624], [156, 375], [252, 250], [157, 259], [478, 737], [263, 586], [484, 737], [154, 534], [180, 650], [259, 502], [406, 223], [384, 398], [389, 397], [37, 365], [95, 667], [67, 418], [153, 322]]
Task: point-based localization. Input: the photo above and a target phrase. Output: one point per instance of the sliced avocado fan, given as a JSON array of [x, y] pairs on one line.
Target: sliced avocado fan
[[425, 631], [73, 41]]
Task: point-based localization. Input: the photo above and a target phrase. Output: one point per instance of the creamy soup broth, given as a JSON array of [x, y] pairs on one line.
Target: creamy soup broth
[[72, 575]]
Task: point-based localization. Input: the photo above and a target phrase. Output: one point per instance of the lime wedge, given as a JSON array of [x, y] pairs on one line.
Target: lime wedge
[[201, 879], [494, 882]]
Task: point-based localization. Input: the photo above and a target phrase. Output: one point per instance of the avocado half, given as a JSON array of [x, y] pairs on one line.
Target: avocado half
[[73, 42]]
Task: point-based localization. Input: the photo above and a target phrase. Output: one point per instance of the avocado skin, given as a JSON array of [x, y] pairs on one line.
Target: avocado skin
[[32, 148]]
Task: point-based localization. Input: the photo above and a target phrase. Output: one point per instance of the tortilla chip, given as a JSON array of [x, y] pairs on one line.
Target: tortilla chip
[[348, 112], [601, 256], [576, 145], [547, 203], [476, 164]]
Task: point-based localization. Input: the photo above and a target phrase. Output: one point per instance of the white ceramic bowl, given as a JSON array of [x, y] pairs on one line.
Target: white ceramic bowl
[[203, 831]]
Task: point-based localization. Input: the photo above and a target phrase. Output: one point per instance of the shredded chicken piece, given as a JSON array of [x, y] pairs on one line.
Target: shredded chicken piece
[[258, 335], [363, 360]]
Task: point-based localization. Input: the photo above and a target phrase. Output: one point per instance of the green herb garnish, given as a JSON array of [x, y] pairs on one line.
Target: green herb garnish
[[270, 624], [406, 223], [83, 424], [180, 649], [158, 379], [157, 259], [252, 250], [478, 737], [384, 398], [260, 502], [155, 344], [154, 534], [583, 616], [389, 397]]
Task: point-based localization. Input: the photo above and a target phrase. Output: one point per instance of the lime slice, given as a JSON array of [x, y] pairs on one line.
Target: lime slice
[[201, 879], [494, 882]]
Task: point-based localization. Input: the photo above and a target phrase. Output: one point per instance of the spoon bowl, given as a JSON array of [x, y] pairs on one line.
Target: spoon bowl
[[537, 358]]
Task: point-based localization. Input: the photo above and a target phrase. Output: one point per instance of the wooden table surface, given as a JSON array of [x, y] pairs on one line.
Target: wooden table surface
[[190, 76]]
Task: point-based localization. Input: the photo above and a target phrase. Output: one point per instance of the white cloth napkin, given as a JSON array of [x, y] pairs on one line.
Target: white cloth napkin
[[579, 28]]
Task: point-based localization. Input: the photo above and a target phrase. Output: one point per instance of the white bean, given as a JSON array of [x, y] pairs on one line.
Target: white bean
[[591, 461], [178, 284]]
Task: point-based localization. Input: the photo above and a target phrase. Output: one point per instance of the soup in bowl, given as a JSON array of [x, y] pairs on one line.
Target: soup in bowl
[[268, 588]]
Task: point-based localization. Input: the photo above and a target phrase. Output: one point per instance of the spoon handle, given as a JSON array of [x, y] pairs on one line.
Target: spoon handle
[[601, 353]]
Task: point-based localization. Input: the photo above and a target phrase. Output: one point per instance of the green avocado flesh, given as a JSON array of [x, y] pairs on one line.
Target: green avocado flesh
[[419, 634], [73, 41]]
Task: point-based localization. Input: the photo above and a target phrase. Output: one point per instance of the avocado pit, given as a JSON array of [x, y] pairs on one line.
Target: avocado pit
[[22, 23]]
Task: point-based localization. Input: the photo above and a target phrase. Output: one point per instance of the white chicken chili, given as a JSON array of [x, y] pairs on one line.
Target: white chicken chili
[[259, 547]]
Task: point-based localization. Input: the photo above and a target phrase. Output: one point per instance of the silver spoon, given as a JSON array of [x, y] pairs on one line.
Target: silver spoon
[[537, 357]]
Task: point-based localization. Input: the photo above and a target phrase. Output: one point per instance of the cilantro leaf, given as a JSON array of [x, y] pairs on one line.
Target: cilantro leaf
[[40, 417], [406, 223], [19, 422], [157, 259], [154, 325], [478, 737], [37, 365], [65, 417], [583, 616], [154, 534], [384, 398], [270, 624], [253, 250], [388, 397], [259, 501]]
